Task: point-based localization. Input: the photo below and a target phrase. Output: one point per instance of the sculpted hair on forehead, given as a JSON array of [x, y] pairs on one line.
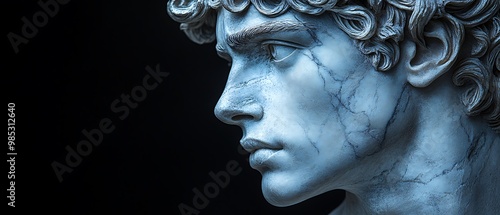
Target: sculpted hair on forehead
[[378, 26]]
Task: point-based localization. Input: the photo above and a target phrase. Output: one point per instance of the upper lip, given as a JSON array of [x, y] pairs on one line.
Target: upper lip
[[252, 145]]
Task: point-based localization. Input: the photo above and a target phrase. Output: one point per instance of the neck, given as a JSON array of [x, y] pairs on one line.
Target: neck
[[448, 165]]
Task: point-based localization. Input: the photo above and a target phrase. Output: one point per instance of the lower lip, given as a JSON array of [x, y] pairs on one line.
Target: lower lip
[[261, 157]]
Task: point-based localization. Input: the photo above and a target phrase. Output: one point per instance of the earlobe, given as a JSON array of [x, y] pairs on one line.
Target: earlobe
[[429, 61]]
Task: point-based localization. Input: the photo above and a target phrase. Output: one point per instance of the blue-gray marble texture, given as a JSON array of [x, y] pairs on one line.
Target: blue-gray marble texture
[[397, 102]]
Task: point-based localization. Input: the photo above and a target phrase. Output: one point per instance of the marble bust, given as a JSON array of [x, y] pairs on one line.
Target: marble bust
[[397, 102]]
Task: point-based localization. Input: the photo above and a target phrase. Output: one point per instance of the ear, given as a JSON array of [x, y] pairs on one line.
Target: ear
[[436, 53]]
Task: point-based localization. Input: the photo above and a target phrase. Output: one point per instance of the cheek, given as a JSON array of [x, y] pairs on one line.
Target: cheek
[[302, 80], [336, 100], [306, 104], [346, 104], [365, 106]]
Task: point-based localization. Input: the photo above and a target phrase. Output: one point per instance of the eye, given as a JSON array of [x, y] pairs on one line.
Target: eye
[[279, 51], [221, 51]]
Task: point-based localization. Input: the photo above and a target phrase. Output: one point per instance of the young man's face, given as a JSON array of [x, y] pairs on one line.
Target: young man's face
[[313, 110]]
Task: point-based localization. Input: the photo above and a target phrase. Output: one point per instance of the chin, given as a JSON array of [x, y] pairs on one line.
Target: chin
[[280, 199], [283, 191]]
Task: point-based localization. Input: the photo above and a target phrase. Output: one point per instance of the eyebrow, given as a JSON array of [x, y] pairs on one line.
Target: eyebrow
[[248, 34]]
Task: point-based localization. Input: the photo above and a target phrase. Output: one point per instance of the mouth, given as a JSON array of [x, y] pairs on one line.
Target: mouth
[[261, 153]]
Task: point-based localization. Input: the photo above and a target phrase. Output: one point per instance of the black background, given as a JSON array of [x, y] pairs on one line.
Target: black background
[[65, 79]]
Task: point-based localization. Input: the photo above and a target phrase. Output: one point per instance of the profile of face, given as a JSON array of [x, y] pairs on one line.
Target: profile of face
[[309, 103], [396, 102]]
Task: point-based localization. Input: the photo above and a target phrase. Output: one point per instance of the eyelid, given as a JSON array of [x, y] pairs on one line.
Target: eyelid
[[280, 44], [222, 52], [224, 56]]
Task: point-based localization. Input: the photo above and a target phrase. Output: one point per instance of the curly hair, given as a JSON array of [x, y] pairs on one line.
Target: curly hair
[[377, 27]]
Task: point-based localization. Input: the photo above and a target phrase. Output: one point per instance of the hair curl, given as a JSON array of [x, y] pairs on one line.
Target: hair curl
[[378, 26]]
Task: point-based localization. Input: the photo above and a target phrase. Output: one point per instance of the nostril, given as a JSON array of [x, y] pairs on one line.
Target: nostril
[[241, 117], [234, 112]]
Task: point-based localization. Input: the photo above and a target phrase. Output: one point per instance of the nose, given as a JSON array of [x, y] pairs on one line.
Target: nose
[[237, 107]]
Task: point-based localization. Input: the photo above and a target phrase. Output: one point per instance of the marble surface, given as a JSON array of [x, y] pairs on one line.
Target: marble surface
[[397, 102]]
